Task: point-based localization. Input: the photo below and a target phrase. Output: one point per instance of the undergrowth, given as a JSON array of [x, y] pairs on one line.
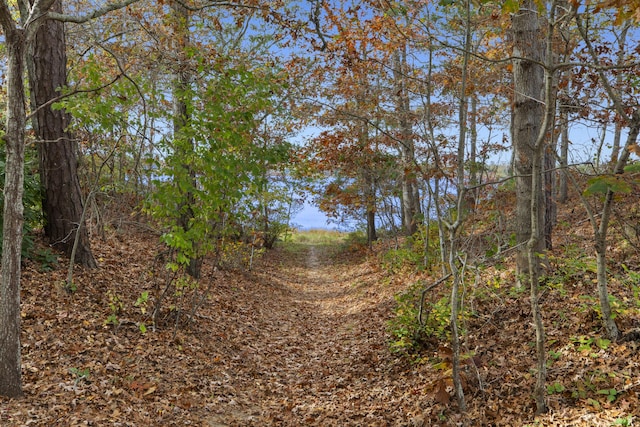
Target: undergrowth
[[420, 321]]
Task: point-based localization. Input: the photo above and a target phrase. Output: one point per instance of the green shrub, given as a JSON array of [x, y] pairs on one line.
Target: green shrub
[[408, 335], [421, 251], [31, 200], [395, 260]]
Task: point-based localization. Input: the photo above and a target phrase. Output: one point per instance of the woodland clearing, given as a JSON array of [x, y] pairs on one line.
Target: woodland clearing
[[302, 339]]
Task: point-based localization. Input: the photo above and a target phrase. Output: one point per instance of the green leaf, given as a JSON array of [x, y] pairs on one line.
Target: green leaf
[[604, 184], [510, 6], [555, 388], [593, 403], [602, 343], [632, 168], [611, 394]]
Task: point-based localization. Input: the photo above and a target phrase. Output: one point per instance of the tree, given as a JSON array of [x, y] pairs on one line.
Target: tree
[[353, 168], [527, 117], [16, 41], [606, 185], [62, 203], [181, 120], [410, 193], [214, 163], [20, 34], [534, 109], [454, 226]]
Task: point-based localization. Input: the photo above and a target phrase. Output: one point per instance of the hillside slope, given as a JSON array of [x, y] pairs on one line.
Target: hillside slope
[[302, 340]]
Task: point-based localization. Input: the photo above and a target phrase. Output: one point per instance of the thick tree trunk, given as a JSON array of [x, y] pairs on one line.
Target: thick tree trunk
[[62, 202], [10, 372], [527, 118], [534, 106]]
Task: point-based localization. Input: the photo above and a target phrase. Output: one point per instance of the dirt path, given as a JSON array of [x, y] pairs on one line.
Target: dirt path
[[299, 341], [321, 356]]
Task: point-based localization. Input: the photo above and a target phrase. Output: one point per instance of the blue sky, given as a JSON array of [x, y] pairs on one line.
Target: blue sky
[[310, 217]]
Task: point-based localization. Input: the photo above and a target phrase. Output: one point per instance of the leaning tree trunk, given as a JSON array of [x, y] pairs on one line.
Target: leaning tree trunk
[[62, 203], [600, 235], [600, 232]]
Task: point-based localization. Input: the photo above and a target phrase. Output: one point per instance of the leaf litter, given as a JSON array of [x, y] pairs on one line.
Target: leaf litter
[[300, 340]]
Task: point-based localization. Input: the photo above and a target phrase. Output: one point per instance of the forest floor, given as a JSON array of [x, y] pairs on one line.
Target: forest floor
[[301, 339]]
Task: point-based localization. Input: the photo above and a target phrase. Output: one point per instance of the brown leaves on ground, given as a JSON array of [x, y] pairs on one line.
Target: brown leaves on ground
[[300, 340]]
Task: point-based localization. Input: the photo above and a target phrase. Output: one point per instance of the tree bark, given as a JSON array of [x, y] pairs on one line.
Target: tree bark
[[10, 371], [550, 207], [410, 203], [18, 40], [563, 191], [534, 109], [62, 203], [527, 117], [370, 196]]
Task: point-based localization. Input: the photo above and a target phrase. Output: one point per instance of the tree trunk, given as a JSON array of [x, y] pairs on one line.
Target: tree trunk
[[550, 212], [372, 235], [608, 322], [563, 191], [474, 165], [10, 371], [600, 232], [534, 109], [533, 251], [527, 118], [369, 187], [600, 236], [453, 318], [181, 118], [62, 203], [617, 136], [410, 203]]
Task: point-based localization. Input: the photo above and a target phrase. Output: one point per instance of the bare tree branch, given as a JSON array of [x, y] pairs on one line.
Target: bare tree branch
[[79, 19]]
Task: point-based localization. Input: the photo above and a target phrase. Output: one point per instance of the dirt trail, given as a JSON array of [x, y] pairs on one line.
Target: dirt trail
[[321, 356], [299, 341]]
